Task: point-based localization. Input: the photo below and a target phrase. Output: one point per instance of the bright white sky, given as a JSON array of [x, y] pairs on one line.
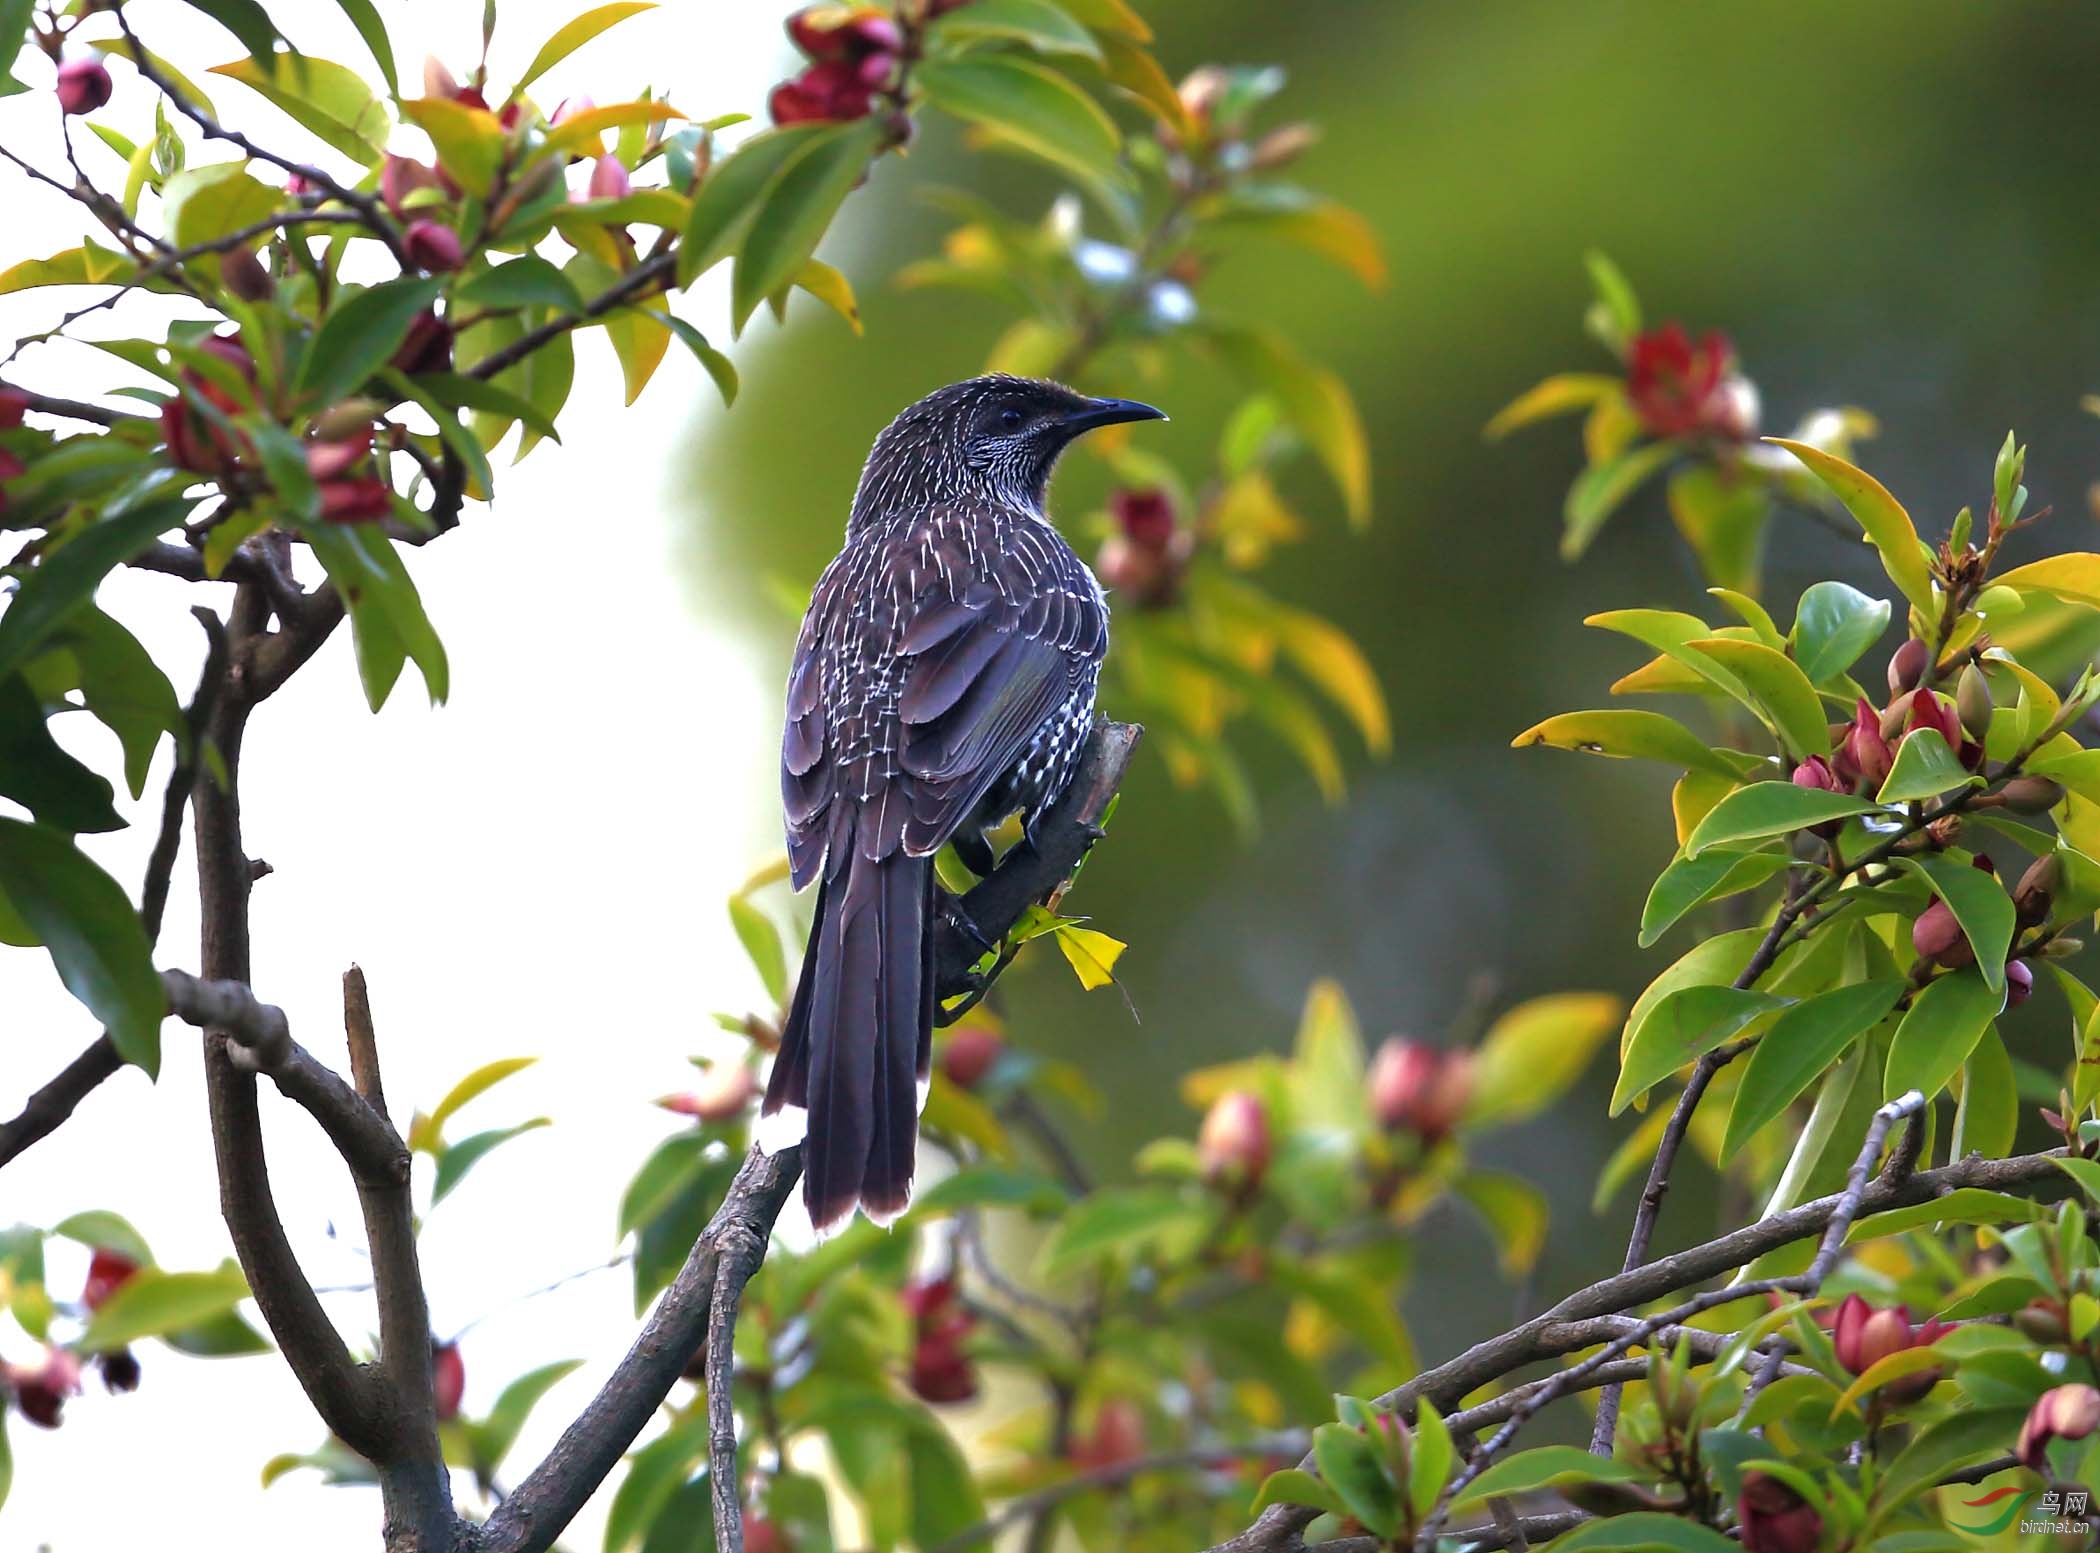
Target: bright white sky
[[537, 868]]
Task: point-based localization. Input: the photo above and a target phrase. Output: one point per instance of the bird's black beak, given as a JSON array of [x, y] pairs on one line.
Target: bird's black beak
[[1110, 412]]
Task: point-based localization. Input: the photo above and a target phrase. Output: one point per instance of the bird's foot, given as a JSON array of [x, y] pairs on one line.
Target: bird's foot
[[975, 852], [964, 926]]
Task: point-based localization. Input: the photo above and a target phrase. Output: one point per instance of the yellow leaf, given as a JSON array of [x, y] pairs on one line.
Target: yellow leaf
[[584, 132], [1535, 1051], [1906, 1361], [469, 140], [1093, 955], [1888, 527], [2075, 576], [831, 288], [956, 1111], [1694, 797], [1324, 654], [1562, 394]]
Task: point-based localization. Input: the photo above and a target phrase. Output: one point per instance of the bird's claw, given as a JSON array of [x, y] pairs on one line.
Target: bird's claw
[[965, 927]]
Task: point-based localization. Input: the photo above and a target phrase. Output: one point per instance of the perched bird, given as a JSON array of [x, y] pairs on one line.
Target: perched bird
[[944, 679]]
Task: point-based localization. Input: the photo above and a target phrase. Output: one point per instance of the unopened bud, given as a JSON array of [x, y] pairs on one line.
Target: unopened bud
[[2019, 982], [1938, 937], [969, 1054], [2032, 794], [1603, 1498], [2062, 948], [2063, 1413], [1945, 830], [448, 1373], [1282, 146], [1907, 667], [433, 246], [609, 180], [725, 1089], [2035, 894], [1772, 1518], [121, 1371], [2043, 1321], [1233, 1145], [245, 276], [83, 85], [1972, 700], [438, 81]]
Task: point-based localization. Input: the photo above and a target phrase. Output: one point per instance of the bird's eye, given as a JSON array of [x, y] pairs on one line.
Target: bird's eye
[[1009, 417]]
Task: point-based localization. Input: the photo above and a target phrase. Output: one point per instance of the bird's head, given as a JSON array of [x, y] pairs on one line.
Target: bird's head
[[994, 438]]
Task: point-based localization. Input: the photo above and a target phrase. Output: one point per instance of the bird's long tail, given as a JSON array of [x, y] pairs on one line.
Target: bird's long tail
[[854, 1057]]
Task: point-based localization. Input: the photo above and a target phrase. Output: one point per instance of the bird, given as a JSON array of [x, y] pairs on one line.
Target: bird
[[943, 680]]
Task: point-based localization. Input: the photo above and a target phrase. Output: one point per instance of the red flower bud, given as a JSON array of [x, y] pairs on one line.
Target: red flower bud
[[1931, 710], [1233, 1144], [609, 180], [448, 1373], [83, 85], [14, 404], [2019, 982], [1863, 757], [1775, 1519], [433, 246], [108, 1271], [1863, 1336], [1938, 937], [831, 89], [362, 500], [243, 275], [1117, 1436], [331, 459], [969, 1054], [764, 1536], [2063, 1413], [1145, 516], [1908, 667], [940, 1369], [427, 347]]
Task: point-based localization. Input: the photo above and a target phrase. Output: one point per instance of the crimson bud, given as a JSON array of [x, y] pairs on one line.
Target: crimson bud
[[1938, 937], [448, 1374], [1118, 1436], [1863, 1335], [83, 85], [1775, 1519], [1233, 1144], [14, 404], [433, 246], [969, 1054], [2063, 1413], [1908, 666], [725, 1090], [108, 1271]]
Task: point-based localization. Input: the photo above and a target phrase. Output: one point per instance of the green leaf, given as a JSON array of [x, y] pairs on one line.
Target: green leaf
[[1037, 23], [456, 1159], [330, 101], [1546, 1466], [761, 941], [202, 204], [1627, 735], [1429, 1466], [1681, 1028], [574, 34], [123, 687], [15, 18], [1949, 1444], [1777, 685], [1799, 1048], [527, 281], [1514, 1212], [465, 446], [472, 1087], [1115, 1220], [122, 48], [1924, 768], [246, 20], [1293, 1486], [1647, 1531], [1315, 401], [1945, 1022], [1352, 1469], [364, 16], [1690, 882], [68, 576], [1532, 1053], [386, 612], [795, 211], [730, 196], [1769, 809], [995, 1186], [499, 1431], [153, 1303], [1030, 105], [1979, 904], [84, 919], [1723, 518], [361, 331], [59, 790], [1833, 625], [1603, 488], [99, 1227], [468, 141], [717, 366], [1963, 1205], [1888, 526], [453, 391]]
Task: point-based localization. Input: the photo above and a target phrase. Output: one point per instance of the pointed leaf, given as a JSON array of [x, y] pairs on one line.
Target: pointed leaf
[[1682, 1028], [1626, 735], [1769, 809], [1798, 1049], [1888, 526], [1945, 1022]]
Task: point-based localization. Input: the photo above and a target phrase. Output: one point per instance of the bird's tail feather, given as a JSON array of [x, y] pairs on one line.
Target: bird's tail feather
[[857, 1046]]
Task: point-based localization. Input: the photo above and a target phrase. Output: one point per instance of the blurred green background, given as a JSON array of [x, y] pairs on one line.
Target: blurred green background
[[1887, 204]]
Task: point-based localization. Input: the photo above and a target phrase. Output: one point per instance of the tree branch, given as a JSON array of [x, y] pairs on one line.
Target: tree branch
[[710, 1284], [1278, 1528], [648, 276]]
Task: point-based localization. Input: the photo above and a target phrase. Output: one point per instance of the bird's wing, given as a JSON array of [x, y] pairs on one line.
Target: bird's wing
[[933, 655]]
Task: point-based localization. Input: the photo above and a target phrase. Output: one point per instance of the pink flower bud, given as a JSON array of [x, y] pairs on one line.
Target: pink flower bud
[[432, 246], [1863, 1335], [1233, 1145], [83, 85], [427, 347], [2063, 1413], [1930, 710], [438, 81], [1938, 937], [14, 404], [724, 1091], [401, 176], [362, 500], [941, 1370], [1419, 1088], [1815, 773], [572, 108], [1864, 756], [1908, 667], [609, 179], [1146, 516], [2019, 982], [1117, 1436]]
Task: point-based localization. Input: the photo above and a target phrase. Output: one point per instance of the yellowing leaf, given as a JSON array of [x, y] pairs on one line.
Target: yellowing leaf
[[1535, 1051], [831, 288], [1324, 654], [575, 33], [1888, 527], [583, 131], [469, 140], [427, 1129], [331, 101], [1092, 955], [1317, 404], [1895, 1366], [1562, 394], [1626, 735], [2075, 576]]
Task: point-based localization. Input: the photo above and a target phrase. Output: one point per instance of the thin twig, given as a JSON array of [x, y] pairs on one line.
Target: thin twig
[[650, 276]]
